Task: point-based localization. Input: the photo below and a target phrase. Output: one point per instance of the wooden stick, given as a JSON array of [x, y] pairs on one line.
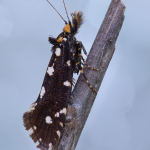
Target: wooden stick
[[99, 57]]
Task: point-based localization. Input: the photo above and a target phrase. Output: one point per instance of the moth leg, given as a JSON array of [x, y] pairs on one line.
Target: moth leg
[[81, 70], [73, 60], [88, 81], [73, 81], [87, 66], [81, 46], [73, 84], [73, 63], [71, 97], [76, 69], [70, 100], [79, 62]]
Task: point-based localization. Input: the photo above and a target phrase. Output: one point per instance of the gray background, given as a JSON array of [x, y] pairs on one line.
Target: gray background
[[119, 119]]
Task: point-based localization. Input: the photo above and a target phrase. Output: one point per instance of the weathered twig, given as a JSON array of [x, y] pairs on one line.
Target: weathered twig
[[99, 57]]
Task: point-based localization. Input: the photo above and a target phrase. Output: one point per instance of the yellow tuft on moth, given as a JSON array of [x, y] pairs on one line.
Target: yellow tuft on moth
[[60, 39], [67, 28]]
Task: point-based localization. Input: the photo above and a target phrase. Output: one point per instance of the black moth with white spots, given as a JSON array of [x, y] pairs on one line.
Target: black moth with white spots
[[45, 118]]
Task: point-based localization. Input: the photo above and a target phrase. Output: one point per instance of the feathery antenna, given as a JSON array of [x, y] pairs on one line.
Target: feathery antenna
[[57, 12], [66, 11]]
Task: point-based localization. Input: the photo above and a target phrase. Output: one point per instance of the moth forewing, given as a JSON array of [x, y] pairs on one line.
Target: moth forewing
[[45, 118]]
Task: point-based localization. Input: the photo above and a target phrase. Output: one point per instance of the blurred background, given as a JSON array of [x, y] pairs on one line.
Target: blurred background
[[120, 117]]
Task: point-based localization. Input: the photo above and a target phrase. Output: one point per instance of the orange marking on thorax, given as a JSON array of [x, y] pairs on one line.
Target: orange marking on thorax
[[60, 39]]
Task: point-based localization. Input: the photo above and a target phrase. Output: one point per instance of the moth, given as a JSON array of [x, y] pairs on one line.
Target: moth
[[45, 118]]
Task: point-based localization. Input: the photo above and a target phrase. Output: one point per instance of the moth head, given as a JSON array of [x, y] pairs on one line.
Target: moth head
[[77, 21], [67, 28]]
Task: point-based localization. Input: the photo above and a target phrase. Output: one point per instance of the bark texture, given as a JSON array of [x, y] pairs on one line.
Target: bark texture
[[99, 57]]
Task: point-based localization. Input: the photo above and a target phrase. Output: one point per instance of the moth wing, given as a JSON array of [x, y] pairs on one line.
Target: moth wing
[[45, 118]]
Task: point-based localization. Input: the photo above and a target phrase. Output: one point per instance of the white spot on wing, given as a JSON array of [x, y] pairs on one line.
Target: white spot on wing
[[34, 127], [50, 146], [48, 120], [37, 143], [42, 92], [58, 133], [65, 39], [30, 131], [57, 114], [40, 139], [68, 63], [61, 124], [50, 70], [67, 83], [58, 52], [32, 107], [63, 111]]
